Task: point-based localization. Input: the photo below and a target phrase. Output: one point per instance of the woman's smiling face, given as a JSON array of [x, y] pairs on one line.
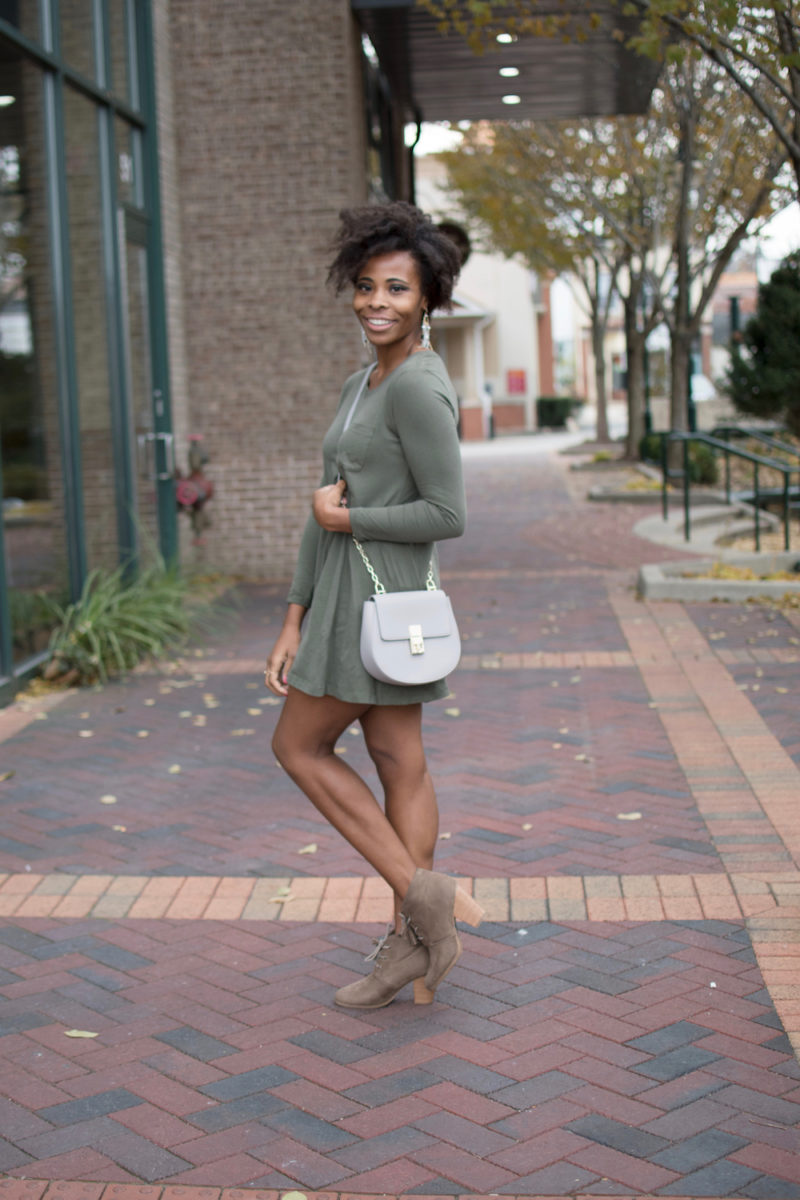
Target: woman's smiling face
[[388, 299]]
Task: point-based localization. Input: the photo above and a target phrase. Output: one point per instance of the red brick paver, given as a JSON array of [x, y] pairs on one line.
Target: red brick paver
[[618, 786]]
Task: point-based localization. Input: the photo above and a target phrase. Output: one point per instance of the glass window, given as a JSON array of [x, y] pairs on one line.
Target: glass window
[[24, 15], [126, 150], [140, 398], [33, 500], [118, 47], [77, 35], [90, 324]]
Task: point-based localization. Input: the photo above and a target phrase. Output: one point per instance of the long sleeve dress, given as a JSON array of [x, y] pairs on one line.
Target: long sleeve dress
[[400, 458]]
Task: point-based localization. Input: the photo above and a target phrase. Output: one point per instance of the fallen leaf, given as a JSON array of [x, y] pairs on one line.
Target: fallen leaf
[[186, 712], [149, 703], [281, 897], [85, 716], [254, 712], [143, 733], [354, 731], [630, 816], [557, 745], [79, 1033], [269, 700], [294, 1196], [340, 750], [575, 679], [120, 828], [40, 716], [7, 775], [527, 826], [565, 729], [582, 758], [247, 685], [452, 712], [200, 719], [444, 836], [84, 733], [175, 769], [108, 799], [242, 732], [311, 848], [782, 690]]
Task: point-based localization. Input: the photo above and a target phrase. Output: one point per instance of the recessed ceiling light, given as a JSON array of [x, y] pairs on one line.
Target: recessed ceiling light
[[6, 100], [512, 99], [509, 72], [505, 39]]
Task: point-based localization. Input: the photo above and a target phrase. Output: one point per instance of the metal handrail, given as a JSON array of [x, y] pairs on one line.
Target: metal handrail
[[758, 435], [758, 460]]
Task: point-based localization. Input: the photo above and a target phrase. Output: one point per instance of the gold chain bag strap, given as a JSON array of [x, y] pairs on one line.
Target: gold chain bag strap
[[408, 638]]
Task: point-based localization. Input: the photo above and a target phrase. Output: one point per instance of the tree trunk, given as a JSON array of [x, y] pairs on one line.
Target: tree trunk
[[681, 348], [634, 351], [598, 349]]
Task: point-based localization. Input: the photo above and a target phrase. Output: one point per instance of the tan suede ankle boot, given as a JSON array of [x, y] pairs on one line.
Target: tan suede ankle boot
[[430, 907], [399, 959]]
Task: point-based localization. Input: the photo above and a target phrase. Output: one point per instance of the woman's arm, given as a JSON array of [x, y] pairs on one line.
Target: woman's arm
[[424, 420]]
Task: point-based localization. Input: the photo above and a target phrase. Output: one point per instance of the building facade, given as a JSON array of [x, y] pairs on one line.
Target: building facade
[[170, 177]]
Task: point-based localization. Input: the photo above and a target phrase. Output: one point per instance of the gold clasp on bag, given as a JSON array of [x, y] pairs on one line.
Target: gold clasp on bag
[[415, 639]]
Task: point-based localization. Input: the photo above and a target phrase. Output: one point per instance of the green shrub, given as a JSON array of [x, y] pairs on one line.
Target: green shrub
[[650, 448], [120, 619], [703, 466], [552, 411]]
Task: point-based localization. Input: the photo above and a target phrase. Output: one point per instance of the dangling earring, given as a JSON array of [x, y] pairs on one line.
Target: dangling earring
[[364, 339], [426, 331]]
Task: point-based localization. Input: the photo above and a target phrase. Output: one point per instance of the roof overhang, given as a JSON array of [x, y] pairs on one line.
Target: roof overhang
[[437, 77]]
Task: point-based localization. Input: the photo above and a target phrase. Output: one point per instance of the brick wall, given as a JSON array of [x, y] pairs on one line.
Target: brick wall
[[262, 111]]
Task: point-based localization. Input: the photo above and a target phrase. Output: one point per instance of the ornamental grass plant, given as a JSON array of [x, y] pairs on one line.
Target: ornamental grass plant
[[122, 617]]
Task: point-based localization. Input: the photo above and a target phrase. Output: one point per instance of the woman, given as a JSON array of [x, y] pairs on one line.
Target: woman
[[392, 478]]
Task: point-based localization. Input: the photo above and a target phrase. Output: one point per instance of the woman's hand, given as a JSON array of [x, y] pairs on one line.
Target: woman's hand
[[329, 506], [284, 652]]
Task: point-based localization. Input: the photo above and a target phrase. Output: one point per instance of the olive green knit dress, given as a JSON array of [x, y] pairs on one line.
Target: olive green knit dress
[[400, 459]]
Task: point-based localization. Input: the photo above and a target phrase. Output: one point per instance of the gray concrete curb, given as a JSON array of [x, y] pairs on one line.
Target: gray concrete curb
[[678, 580]]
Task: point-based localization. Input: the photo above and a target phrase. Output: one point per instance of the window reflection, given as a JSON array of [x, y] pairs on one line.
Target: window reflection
[[76, 26], [118, 45], [24, 15], [90, 325], [32, 501]]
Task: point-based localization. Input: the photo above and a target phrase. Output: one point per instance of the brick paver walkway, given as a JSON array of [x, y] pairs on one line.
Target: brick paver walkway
[[619, 784]]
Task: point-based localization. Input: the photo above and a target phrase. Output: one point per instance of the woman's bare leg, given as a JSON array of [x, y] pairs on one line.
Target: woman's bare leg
[[304, 742], [393, 735]]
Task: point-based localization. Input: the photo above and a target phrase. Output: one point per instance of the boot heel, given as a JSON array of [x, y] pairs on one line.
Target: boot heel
[[422, 995], [466, 909]]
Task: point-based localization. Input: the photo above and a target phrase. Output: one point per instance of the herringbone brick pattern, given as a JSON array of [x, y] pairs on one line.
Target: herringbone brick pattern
[[591, 1056], [618, 785], [541, 793]]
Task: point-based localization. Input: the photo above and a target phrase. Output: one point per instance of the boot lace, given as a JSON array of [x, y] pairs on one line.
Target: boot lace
[[379, 946]]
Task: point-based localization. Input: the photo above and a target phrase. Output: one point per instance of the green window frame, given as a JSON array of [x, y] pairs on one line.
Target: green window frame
[[136, 113]]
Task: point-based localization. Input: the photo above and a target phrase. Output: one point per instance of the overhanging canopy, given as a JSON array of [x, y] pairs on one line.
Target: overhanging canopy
[[439, 78]]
